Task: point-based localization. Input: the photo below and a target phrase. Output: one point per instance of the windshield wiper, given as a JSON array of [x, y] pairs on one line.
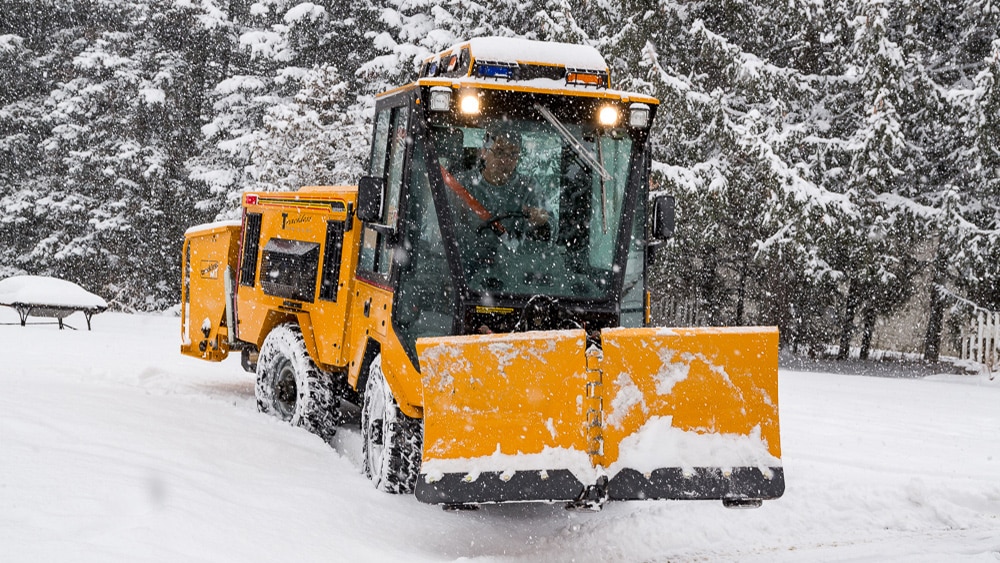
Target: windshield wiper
[[586, 155], [575, 143]]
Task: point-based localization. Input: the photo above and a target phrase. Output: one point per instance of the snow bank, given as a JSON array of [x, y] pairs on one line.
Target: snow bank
[[115, 447]]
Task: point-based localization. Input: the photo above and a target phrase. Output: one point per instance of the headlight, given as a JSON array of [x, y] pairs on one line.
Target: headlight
[[470, 104], [608, 116], [638, 116], [440, 98]]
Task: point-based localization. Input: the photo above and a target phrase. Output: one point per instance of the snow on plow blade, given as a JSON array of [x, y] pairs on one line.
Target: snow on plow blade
[[652, 414]]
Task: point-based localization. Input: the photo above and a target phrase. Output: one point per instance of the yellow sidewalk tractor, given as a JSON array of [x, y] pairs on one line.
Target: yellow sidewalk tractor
[[482, 296]]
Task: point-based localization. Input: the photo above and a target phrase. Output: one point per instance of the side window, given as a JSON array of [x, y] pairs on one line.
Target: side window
[[332, 250], [380, 144], [607, 200], [388, 156], [634, 291], [251, 248], [424, 297]]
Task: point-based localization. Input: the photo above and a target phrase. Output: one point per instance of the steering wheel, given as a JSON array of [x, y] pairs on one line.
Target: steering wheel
[[494, 222], [543, 312]]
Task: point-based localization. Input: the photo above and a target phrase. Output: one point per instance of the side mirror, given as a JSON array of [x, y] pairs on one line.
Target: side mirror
[[371, 192], [663, 217]]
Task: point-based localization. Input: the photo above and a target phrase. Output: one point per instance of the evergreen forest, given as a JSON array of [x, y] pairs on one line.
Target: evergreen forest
[[834, 162]]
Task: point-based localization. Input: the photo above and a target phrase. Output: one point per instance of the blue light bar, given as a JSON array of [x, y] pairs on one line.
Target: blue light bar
[[492, 69]]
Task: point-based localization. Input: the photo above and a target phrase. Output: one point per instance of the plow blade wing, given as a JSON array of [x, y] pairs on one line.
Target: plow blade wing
[[652, 414], [504, 418], [691, 413]]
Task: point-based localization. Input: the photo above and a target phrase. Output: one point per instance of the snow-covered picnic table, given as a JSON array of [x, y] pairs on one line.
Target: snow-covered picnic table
[[42, 296]]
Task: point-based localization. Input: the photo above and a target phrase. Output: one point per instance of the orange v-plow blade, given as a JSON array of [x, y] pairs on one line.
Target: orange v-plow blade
[[651, 413]]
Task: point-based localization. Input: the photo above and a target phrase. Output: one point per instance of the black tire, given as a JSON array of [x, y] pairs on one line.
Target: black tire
[[392, 442], [291, 387]]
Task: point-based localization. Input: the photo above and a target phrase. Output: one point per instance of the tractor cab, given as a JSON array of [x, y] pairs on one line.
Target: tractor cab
[[509, 184]]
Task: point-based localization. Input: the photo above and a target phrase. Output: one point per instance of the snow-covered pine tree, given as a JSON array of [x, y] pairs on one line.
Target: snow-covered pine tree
[[979, 276], [287, 111], [97, 207], [734, 143], [952, 41], [316, 138], [872, 247], [254, 51], [29, 32]]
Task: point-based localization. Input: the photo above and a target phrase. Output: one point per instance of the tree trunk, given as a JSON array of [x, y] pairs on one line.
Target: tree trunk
[[932, 338], [868, 328], [847, 327], [741, 293]]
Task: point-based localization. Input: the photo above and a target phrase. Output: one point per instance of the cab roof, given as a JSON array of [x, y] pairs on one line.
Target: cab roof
[[518, 60], [528, 52], [522, 65]]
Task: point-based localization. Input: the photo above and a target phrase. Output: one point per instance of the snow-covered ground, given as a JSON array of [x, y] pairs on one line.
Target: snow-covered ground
[[114, 447]]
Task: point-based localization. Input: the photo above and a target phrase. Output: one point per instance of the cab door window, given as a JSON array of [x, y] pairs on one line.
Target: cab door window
[[388, 156]]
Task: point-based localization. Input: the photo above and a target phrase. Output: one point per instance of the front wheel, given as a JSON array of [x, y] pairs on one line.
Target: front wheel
[[291, 387], [392, 442]]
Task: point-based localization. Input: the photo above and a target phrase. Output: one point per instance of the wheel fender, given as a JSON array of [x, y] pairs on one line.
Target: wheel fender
[[308, 337], [403, 380], [395, 368], [271, 320], [372, 349]]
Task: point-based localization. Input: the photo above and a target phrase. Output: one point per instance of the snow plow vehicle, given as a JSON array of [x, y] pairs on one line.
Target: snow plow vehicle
[[482, 295]]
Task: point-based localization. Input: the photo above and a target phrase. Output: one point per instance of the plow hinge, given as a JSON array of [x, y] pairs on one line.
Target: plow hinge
[[594, 401]]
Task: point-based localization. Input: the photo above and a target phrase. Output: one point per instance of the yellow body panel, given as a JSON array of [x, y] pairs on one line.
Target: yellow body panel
[[207, 253], [301, 216], [336, 332], [370, 319]]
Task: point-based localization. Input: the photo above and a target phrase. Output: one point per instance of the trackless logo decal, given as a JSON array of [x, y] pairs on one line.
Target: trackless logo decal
[[286, 222], [209, 269]]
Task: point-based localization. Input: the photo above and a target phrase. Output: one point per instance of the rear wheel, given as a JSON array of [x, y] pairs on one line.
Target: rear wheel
[[291, 387], [392, 441]]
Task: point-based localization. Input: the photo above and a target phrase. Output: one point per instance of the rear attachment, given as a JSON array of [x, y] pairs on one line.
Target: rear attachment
[[653, 414]]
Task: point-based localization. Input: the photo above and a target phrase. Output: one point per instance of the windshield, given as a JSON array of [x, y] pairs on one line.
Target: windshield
[[535, 200]]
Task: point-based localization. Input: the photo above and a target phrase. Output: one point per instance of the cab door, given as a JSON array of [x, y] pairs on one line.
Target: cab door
[[371, 305]]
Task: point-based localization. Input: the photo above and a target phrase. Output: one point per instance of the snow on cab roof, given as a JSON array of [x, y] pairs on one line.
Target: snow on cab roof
[[521, 61], [526, 51], [520, 52], [524, 65]]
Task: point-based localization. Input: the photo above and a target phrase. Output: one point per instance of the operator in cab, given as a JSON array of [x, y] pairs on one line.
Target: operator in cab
[[502, 200]]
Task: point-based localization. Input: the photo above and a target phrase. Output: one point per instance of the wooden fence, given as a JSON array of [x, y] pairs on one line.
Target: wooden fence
[[674, 311], [982, 345]]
